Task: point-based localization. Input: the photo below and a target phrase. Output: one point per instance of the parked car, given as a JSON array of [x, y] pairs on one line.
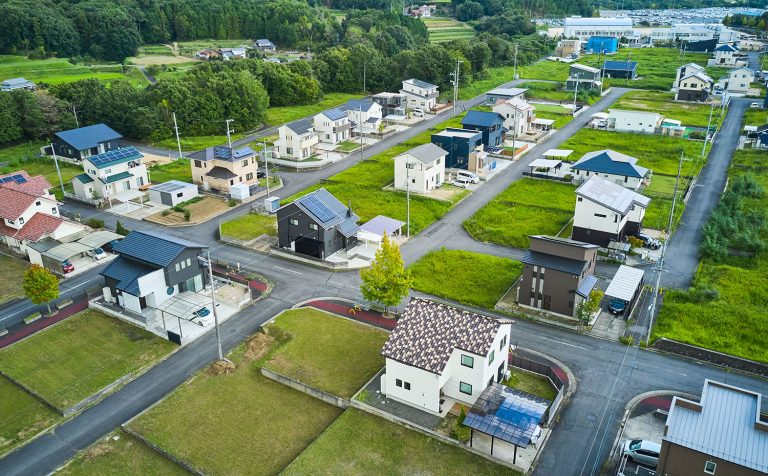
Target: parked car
[[617, 306], [97, 254], [536, 436], [67, 266], [261, 174], [460, 182], [203, 317], [418, 112], [108, 247], [642, 451], [755, 105], [602, 123], [468, 176], [648, 242]]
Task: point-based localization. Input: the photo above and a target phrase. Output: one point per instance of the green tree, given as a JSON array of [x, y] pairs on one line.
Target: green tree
[[386, 281], [40, 285], [120, 229], [585, 309]]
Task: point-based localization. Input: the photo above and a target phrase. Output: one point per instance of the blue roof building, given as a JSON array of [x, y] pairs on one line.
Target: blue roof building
[[602, 44], [620, 69], [491, 124], [614, 166], [81, 143]]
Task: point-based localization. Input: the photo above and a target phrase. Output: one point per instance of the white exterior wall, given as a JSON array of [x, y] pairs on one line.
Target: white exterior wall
[[637, 214], [693, 84], [66, 228], [632, 121], [425, 387], [46, 207], [130, 302], [139, 178], [586, 216], [416, 96], [296, 146], [324, 129], [739, 80], [597, 27], [361, 117], [632, 183], [423, 177], [514, 118], [153, 287], [177, 196]]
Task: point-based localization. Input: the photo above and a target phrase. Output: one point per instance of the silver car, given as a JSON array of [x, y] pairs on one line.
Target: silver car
[[642, 451]]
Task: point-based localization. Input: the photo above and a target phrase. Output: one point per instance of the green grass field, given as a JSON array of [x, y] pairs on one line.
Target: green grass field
[[750, 159], [663, 102], [447, 29], [11, 278], [348, 146], [532, 383], [24, 157], [176, 170], [215, 420], [559, 114], [527, 207], [329, 353], [359, 443], [755, 117], [280, 115], [22, 416], [464, 276], [56, 70], [195, 143], [126, 455], [250, 226], [547, 91], [83, 354]]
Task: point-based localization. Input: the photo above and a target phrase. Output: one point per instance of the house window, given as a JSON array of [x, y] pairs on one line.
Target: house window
[[467, 361], [615, 218], [465, 388], [54, 210], [533, 294], [578, 199], [313, 226], [491, 356], [249, 176], [178, 267], [180, 194], [37, 203], [710, 467], [503, 343], [231, 182], [189, 261], [294, 222], [21, 220], [245, 163], [601, 215], [407, 385], [398, 383]]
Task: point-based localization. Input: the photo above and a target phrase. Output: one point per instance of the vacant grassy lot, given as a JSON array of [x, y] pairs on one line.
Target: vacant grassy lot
[[559, 114], [329, 353], [280, 115], [25, 157], [663, 102], [196, 143], [348, 146], [11, 278], [83, 354], [447, 29], [750, 159], [127, 455], [547, 91], [755, 117], [248, 227], [215, 420], [177, 170], [359, 443], [464, 276], [527, 207], [56, 70], [21, 152], [22, 416], [532, 383]]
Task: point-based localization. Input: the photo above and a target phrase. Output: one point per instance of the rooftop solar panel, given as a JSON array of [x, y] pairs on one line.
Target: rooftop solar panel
[[318, 208], [19, 179], [222, 152]]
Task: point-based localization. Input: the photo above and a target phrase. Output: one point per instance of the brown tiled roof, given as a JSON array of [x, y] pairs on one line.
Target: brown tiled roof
[[38, 226], [37, 185], [13, 203], [429, 331]]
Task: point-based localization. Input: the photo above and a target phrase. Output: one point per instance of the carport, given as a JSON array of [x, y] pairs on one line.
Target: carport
[[53, 258], [97, 239], [626, 285]]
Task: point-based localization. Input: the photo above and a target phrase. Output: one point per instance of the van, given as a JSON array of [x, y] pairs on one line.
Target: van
[[467, 176], [418, 112]]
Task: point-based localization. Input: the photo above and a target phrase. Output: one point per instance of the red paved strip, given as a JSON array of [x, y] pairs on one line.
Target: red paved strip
[[252, 284], [44, 322], [369, 317]]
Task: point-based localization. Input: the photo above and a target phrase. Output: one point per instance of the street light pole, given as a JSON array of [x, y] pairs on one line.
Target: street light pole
[[709, 124], [58, 171], [408, 167], [207, 261], [176, 128]]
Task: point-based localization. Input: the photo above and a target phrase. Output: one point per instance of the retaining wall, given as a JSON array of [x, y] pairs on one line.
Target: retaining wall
[[301, 387]]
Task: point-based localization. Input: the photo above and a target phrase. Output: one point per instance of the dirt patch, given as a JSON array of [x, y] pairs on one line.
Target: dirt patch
[[221, 367], [257, 346], [155, 159], [98, 450], [162, 59], [202, 211]]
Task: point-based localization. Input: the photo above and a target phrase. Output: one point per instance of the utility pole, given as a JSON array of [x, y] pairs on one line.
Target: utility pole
[[602, 70], [176, 128], [514, 68], [360, 117], [207, 261], [456, 85], [364, 71], [229, 132], [58, 171], [266, 165], [408, 167], [576, 92], [74, 111], [709, 124]]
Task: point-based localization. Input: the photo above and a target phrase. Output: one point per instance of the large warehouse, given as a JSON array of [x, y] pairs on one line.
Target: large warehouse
[[583, 28]]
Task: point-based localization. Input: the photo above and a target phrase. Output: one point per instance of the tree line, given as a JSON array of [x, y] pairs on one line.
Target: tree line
[[747, 21]]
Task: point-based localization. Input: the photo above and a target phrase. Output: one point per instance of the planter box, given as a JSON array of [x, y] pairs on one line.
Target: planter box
[[32, 318]]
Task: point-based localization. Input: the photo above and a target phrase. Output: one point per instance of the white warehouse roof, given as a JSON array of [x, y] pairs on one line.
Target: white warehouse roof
[[588, 21]]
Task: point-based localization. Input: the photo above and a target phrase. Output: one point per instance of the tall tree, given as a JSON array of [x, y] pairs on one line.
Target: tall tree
[[40, 286], [386, 281]]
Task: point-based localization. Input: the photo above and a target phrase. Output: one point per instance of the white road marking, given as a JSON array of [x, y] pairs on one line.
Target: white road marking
[[289, 270], [569, 345], [662, 368]]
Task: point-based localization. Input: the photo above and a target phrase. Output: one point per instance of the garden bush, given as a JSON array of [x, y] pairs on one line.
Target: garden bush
[[95, 223]]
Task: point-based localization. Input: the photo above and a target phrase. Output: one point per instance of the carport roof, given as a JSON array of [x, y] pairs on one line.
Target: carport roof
[[66, 250], [625, 283], [99, 238]]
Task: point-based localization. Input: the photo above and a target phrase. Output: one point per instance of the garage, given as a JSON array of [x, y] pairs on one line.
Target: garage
[[309, 247], [626, 286], [172, 193]]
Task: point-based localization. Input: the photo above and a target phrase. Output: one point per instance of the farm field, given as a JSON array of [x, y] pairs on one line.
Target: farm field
[[277, 116], [250, 226], [663, 102], [447, 29], [22, 416], [70, 361], [11, 278], [464, 276], [327, 352], [527, 207], [371, 445], [56, 70]]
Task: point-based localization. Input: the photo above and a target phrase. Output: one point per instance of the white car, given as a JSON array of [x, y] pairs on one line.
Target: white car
[[97, 254], [460, 182], [418, 112], [536, 436], [755, 105], [468, 176], [642, 451]]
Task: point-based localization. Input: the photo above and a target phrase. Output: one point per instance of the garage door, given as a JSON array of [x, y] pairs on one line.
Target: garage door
[[309, 247]]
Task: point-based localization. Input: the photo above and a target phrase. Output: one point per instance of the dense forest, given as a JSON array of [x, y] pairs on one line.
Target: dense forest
[[747, 21]]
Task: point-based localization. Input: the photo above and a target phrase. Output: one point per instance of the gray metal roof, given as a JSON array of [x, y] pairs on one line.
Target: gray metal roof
[[625, 283], [127, 273], [511, 92], [611, 195], [725, 424], [97, 239], [172, 186], [586, 286], [420, 84], [426, 153], [382, 224], [221, 173], [301, 126], [66, 250], [558, 263], [154, 248]]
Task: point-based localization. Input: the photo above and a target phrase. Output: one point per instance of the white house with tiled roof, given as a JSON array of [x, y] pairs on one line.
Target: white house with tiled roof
[[439, 352]]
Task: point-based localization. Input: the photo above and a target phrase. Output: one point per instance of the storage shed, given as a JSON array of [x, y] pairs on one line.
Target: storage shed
[[172, 193]]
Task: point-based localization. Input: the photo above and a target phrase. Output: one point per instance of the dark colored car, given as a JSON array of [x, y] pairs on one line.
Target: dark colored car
[[649, 242], [67, 266], [617, 306], [261, 174], [109, 245]]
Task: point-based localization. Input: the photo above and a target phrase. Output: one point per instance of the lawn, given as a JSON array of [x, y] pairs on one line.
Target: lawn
[[547, 91], [755, 159], [68, 362], [250, 226], [532, 383], [348, 146], [329, 353], [690, 114], [755, 117], [447, 29], [359, 443], [126, 455], [215, 420], [664, 185], [280, 115], [176, 170], [11, 278], [195, 143], [22, 416], [26, 157], [56, 70], [559, 114], [494, 77], [527, 207], [464, 276]]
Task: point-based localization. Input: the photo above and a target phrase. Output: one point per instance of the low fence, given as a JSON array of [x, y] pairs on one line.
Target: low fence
[[547, 177], [558, 379], [161, 451], [302, 387], [711, 356], [98, 203]]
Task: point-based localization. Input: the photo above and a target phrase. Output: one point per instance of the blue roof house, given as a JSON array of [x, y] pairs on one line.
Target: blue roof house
[[619, 168], [150, 269], [491, 124], [620, 69], [81, 143]]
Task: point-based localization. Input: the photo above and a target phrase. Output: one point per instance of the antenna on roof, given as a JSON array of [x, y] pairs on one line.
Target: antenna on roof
[[349, 208]]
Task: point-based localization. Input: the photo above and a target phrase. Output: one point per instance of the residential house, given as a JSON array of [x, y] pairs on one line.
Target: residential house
[[727, 56], [14, 84], [29, 213], [558, 274], [150, 269], [640, 122], [317, 225], [173, 192], [332, 126], [737, 82], [265, 46], [692, 83], [438, 352], [297, 140], [233, 53], [568, 48], [518, 115], [420, 94], [208, 54], [462, 146], [582, 77], [491, 124], [219, 168], [602, 44], [423, 11], [619, 168], [392, 104], [620, 69], [607, 212], [721, 434], [502, 94], [758, 136], [81, 143], [364, 115], [117, 174], [420, 169], [586, 27]]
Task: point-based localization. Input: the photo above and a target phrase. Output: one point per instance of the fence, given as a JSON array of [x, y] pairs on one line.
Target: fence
[[559, 381], [301, 387]]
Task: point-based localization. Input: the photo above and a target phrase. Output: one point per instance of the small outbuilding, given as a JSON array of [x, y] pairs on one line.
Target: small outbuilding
[[173, 192], [626, 285]]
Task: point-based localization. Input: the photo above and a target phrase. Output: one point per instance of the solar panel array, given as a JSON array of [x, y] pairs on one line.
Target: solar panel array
[[334, 114], [318, 208], [224, 153], [18, 178], [113, 156]]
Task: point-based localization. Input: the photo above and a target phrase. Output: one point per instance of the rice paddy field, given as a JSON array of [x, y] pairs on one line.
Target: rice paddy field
[[447, 29], [57, 70]]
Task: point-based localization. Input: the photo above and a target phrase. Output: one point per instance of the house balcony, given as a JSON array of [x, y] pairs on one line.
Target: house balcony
[[342, 128], [424, 96]]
